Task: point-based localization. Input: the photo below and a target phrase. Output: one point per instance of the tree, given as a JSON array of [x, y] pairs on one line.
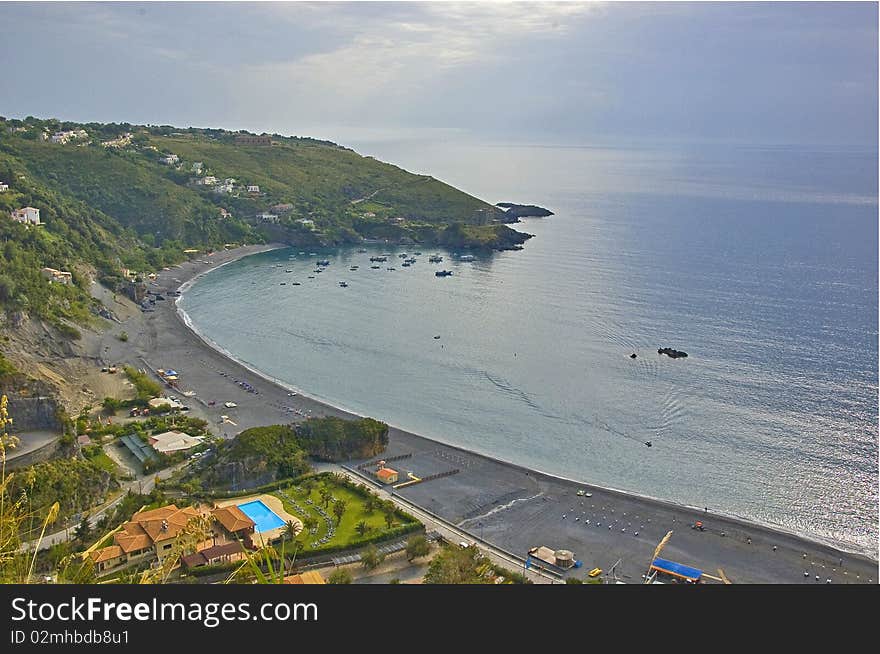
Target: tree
[[338, 510], [362, 528], [83, 530], [339, 576], [369, 505], [326, 495], [310, 522], [371, 557], [417, 546], [389, 519], [291, 530]]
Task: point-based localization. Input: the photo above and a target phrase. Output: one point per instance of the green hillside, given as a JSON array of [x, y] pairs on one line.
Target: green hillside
[[106, 208]]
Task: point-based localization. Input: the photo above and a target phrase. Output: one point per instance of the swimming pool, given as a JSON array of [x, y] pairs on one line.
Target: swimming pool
[[262, 515]]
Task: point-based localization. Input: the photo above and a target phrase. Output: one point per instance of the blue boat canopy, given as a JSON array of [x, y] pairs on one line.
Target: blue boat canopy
[[677, 569]]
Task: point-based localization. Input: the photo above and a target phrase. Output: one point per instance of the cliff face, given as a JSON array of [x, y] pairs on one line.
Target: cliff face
[[517, 211]]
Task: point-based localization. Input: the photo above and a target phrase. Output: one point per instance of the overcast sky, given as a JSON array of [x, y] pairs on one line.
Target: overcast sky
[[526, 72]]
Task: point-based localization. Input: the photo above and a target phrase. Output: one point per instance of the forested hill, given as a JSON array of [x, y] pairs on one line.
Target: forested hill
[[116, 196]]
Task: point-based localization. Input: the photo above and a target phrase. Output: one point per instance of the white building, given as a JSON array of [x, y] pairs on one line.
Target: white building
[[306, 222], [70, 135], [268, 218], [27, 215], [57, 276], [253, 188], [224, 188], [170, 159], [209, 180], [197, 167], [174, 441], [3, 187]]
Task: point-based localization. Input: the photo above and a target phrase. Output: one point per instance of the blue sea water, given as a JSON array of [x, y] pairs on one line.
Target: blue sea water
[[760, 262]]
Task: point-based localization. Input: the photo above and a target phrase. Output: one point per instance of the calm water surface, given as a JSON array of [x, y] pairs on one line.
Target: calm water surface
[[761, 263]]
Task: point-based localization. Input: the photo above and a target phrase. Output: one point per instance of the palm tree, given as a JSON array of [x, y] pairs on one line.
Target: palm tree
[[339, 510], [291, 530], [326, 495], [362, 528], [369, 505], [389, 519]]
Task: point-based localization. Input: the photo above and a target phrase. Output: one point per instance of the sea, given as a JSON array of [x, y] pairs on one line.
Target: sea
[[759, 261]]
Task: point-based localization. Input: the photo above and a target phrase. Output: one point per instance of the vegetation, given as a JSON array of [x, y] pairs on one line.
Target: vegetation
[[371, 557], [145, 387], [105, 209], [335, 439], [417, 546], [339, 576], [465, 565]]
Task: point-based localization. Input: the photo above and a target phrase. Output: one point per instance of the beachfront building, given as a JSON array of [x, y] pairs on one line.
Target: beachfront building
[[387, 475], [174, 441], [27, 215], [148, 536], [57, 276]]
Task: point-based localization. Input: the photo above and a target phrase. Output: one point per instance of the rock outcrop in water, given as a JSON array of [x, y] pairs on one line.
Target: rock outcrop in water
[[523, 210], [673, 354]]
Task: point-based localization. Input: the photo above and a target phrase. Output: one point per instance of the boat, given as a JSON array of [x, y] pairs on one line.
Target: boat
[[673, 354], [283, 284], [406, 264], [302, 252], [418, 254], [343, 284], [295, 284], [362, 250], [402, 255], [410, 260], [435, 258], [311, 276], [313, 254], [375, 267], [392, 269], [319, 270], [443, 273], [466, 257], [288, 271], [378, 258], [324, 262], [437, 338]]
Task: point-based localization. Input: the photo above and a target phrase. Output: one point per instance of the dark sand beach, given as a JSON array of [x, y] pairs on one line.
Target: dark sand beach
[[506, 505]]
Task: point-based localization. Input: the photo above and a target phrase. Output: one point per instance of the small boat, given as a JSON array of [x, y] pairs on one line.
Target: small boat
[[353, 268], [406, 264], [288, 271], [375, 267], [302, 252], [648, 443], [403, 255], [437, 338], [418, 254], [443, 273], [632, 356], [311, 276], [295, 284], [435, 258], [410, 260], [319, 270], [378, 258], [323, 262], [391, 269], [283, 284], [466, 257], [313, 254], [362, 250], [343, 284]]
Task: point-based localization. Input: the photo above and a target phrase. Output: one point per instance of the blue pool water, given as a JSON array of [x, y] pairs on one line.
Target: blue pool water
[[262, 515]]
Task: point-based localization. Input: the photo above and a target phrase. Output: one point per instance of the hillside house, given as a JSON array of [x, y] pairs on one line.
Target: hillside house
[[197, 167], [57, 276], [4, 187], [170, 159], [247, 139], [253, 188], [27, 215], [281, 208], [65, 137]]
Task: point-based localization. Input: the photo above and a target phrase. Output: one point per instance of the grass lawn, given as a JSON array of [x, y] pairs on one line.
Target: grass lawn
[[345, 530], [104, 462]]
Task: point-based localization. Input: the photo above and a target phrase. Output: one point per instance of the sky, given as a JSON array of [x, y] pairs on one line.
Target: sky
[[567, 72]]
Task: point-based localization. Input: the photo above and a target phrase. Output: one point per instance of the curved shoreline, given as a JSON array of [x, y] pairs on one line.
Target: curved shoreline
[[849, 548]]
